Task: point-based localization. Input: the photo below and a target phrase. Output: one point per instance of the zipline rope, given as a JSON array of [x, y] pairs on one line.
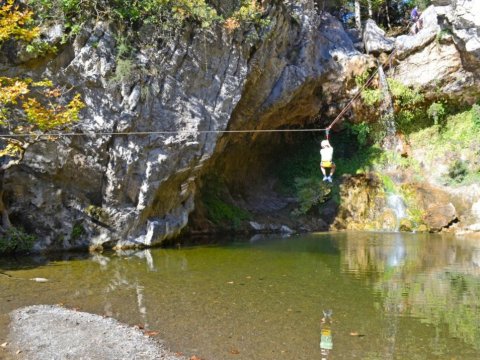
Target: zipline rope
[[172, 132], [176, 132], [369, 80]]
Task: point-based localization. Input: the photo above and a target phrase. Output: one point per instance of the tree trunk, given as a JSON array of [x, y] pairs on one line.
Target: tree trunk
[[387, 13], [358, 19], [3, 210], [370, 10]]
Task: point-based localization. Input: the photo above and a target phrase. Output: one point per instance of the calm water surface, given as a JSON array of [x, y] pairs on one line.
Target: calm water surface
[[409, 296]]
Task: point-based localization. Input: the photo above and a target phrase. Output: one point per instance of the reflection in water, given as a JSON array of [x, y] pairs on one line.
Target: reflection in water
[[436, 281], [409, 294], [326, 337]]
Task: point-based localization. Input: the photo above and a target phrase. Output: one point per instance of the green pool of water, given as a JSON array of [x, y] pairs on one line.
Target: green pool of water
[[393, 296]]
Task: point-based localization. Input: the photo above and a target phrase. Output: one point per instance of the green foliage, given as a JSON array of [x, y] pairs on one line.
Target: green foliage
[[165, 14], [404, 95], [15, 240], [77, 232], [361, 79], [123, 71], [311, 192], [414, 210], [361, 131], [436, 111], [372, 97], [476, 115], [388, 184], [220, 212], [457, 171], [360, 161], [40, 48], [442, 34], [456, 142], [250, 11], [299, 161]]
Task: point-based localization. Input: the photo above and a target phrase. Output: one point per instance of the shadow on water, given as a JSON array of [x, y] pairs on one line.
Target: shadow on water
[[18, 262]]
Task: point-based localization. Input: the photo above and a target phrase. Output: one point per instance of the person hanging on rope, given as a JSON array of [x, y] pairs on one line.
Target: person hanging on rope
[[326, 154]]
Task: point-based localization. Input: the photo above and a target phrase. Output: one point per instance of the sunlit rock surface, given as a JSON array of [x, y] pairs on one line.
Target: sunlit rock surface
[[134, 190], [375, 39], [434, 58]]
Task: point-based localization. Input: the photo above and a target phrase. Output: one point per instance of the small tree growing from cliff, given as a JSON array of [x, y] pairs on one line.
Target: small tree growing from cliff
[[27, 106]]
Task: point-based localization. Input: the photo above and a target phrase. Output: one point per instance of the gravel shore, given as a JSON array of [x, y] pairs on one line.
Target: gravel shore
[[52, 332]]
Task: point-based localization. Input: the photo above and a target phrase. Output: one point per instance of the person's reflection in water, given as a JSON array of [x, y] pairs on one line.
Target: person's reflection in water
[[326, 340]]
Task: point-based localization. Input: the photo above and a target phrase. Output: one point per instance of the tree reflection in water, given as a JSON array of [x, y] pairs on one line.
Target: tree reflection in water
[[436, 281]]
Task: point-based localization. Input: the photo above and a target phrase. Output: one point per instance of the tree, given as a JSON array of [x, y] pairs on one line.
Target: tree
[[370, 9], [358, 18], [27, 106]]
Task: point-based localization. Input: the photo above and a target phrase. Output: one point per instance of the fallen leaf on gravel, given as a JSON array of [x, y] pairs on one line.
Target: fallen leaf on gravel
[[4, 344], [151, 332], [354, 333]]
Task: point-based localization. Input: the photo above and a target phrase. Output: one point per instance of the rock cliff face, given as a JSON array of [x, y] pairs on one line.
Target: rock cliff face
[[441, 60], [139, 189]]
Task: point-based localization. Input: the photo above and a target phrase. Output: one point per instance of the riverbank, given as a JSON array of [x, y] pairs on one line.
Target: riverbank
[[53, 332]]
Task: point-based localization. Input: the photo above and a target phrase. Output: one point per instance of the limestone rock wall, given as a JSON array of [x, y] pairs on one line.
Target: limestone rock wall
[[139, 189], [129, 190]]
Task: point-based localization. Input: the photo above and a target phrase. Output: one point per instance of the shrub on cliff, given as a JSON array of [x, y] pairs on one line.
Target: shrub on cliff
[[311, 192], [15, 240]]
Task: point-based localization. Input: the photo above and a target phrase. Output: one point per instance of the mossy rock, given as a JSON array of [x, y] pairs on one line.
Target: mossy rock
[[388, 220], [422, 228], [406, 225], [97, 213]]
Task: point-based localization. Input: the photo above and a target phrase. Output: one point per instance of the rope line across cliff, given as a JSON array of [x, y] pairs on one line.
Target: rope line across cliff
[[176, 132]]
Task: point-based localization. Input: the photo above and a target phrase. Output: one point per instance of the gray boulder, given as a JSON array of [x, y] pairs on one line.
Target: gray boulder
[[463, 20], [375, 40], [408, 44]]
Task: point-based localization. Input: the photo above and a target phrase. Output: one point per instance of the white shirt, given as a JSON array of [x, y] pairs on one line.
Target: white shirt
[[326, 153]]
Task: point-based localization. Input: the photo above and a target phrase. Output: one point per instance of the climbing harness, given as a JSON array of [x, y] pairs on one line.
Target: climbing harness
[[194, 132]]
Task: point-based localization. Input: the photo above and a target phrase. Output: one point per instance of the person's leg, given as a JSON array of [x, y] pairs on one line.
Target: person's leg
[[323, 172], [332, 169]]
